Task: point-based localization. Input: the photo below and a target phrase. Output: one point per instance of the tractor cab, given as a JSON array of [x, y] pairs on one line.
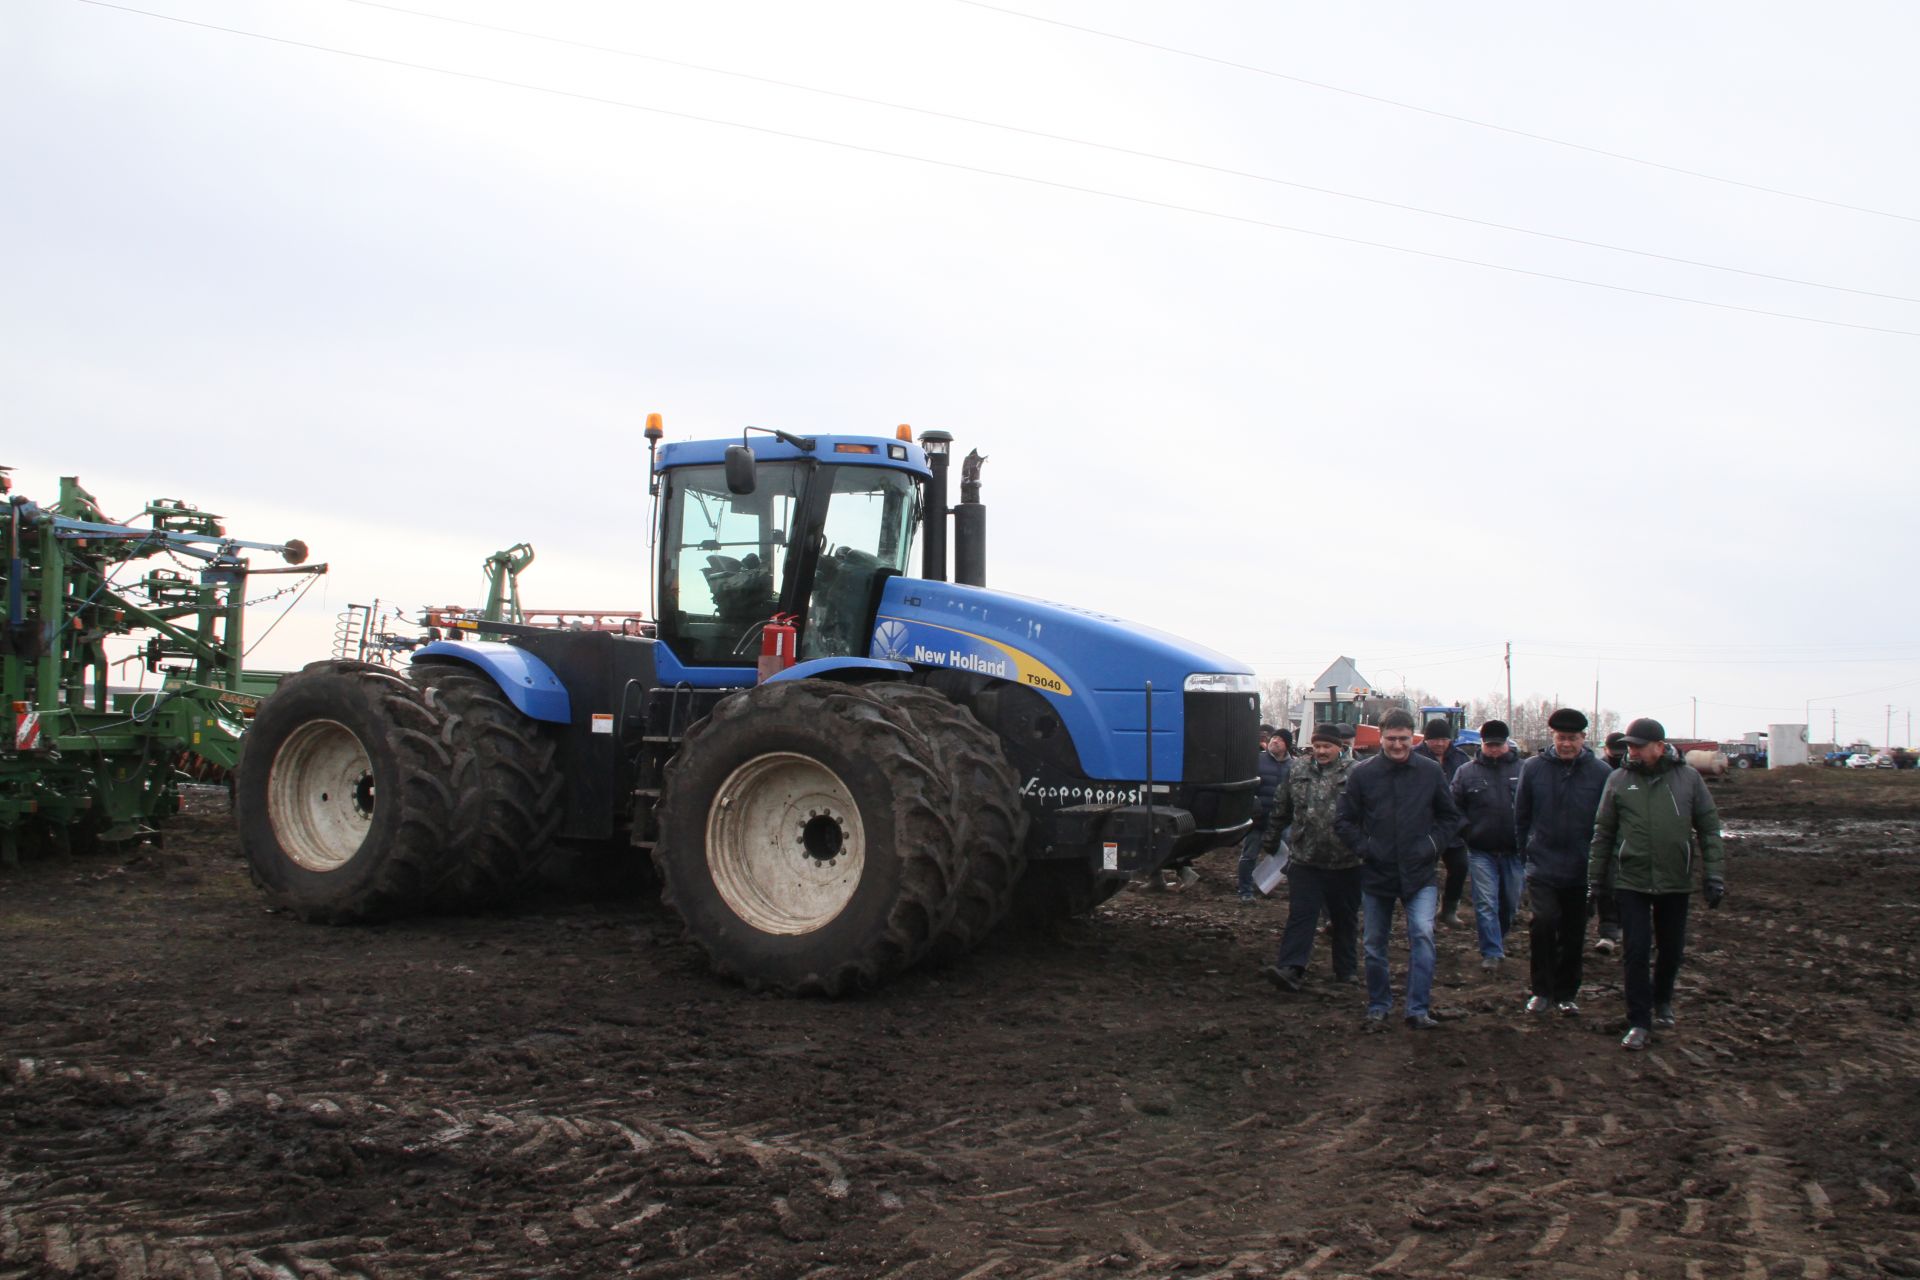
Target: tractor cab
[[781, 526]]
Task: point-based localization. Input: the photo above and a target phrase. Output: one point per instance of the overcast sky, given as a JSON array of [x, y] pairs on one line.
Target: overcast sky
[[412, 317]]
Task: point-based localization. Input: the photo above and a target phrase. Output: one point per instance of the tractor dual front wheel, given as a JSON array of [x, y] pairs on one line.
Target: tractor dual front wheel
[[807, 839]]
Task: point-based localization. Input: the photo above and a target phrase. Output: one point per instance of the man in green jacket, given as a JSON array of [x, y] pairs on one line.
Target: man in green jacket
[[1651, 813]]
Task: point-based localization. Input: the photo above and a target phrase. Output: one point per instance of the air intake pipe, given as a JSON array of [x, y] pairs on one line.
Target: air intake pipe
[[970, 526]]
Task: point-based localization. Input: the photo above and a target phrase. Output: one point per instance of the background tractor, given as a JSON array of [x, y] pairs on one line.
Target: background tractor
[[837, 768]]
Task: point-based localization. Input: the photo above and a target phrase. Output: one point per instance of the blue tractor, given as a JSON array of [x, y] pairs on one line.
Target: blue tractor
[[837, 769]]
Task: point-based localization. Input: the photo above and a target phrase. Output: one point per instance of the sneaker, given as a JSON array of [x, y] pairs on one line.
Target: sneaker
[[1538, 1004], [1604, 946], [1421, 1022], [1489, 964], [1569, 1009], [1635, 1039], [1246, 899], [1663, 1016], [1287, 979], [1347, 980], [1454, 918], [1375, 1022]]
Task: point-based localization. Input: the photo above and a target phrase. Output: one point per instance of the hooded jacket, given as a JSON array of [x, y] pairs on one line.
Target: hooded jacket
[[1307, 800], [1643, 836], [1483, 791], [1397, 817], [1553, 814]]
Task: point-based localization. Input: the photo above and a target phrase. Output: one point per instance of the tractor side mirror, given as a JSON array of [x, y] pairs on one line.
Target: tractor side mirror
[[739, 469]]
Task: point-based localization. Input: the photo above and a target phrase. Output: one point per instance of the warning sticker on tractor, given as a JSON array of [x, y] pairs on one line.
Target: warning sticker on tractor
[[1110, 856], [602, 722]]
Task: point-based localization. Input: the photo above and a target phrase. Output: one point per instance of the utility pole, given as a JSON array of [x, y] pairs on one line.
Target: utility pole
[[1596, 702], [1696, 715], [1836, 727], [1889, 738], [1509, 682]]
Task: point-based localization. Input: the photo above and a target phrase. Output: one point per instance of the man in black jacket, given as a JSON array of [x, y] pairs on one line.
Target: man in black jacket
[[1398, 815], [1484, 791], [1436, 743], [1553, 816], [1275, 763]]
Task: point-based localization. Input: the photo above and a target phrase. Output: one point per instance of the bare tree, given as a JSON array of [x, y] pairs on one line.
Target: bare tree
[[1276, 695]]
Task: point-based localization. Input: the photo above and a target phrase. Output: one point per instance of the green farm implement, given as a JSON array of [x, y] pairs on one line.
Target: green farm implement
[[83, 761]]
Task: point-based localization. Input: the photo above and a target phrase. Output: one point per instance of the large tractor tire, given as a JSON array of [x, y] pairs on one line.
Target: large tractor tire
[[513, 796], [347, 794], [807, 840], [988, 819]]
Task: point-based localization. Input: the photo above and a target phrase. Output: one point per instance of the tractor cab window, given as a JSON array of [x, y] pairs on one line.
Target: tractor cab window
[[726, 560], [868, 530]]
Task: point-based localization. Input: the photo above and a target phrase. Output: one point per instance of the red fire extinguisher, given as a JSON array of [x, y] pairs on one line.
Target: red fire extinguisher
[[776, 644]]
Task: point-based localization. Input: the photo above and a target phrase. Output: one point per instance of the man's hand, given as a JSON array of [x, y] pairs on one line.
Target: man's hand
[[1716, 890]]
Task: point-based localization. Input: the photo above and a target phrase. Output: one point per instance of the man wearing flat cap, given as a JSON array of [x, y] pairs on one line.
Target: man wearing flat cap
[[1436, 743], [1324, 874], [1651, 814], [1484, 791], [1553, 812]]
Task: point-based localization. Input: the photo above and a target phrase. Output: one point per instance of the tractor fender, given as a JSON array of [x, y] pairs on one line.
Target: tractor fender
[[528, 683], [840, 669]]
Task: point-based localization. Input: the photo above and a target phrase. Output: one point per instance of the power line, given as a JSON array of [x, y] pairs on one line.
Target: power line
[[1116, 149], [959, 167], [1441, 115]]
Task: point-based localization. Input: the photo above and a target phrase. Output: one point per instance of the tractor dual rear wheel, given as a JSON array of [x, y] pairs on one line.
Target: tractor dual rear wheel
[[513, 792], [347, 793], [807, 838]]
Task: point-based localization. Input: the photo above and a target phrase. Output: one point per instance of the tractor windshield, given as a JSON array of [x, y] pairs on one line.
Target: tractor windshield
[[726, 560], [868, 530]]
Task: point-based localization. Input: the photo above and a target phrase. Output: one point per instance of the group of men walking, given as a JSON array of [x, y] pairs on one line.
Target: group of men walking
[[1407, 831]]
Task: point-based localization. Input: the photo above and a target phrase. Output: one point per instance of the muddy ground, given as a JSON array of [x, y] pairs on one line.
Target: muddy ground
[[191, 1086]]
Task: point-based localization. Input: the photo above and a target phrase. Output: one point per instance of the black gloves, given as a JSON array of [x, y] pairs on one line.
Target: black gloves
[[1716, 890]]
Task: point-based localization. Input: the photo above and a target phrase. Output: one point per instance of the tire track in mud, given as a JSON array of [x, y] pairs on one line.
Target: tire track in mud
[[1128, 1100]]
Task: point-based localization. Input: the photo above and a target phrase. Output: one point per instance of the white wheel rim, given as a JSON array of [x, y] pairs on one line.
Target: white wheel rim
[[320, 795], [785, 844]]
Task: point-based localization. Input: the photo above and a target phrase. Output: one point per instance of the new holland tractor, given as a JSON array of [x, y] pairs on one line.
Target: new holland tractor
[[838, 769]]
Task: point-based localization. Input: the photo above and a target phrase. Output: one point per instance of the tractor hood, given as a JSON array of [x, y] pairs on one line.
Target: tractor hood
[[1094, 668]]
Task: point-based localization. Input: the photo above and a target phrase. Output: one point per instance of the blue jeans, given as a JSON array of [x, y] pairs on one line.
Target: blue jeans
[[1496, 897], [1250, 854], [1421, 908]]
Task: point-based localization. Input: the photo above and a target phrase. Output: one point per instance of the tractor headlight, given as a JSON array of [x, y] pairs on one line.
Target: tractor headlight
[[1221, 682]]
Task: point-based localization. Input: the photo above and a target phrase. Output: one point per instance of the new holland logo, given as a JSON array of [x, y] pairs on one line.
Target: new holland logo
[[890, 640]]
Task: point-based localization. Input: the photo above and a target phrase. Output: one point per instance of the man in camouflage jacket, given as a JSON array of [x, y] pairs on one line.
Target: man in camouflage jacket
[[1323, 874]]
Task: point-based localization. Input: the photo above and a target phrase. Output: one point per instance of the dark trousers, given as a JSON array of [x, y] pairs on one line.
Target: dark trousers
[[1309, 890], [1653, 927], [1458, 878], [1609, 916], [1559, 937]]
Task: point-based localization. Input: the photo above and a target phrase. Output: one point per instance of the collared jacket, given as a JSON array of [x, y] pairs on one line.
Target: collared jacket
[[1273, 774], [1398, 817], [1483, 791], [1553, 815], [1644, 835], [1308, 800]]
